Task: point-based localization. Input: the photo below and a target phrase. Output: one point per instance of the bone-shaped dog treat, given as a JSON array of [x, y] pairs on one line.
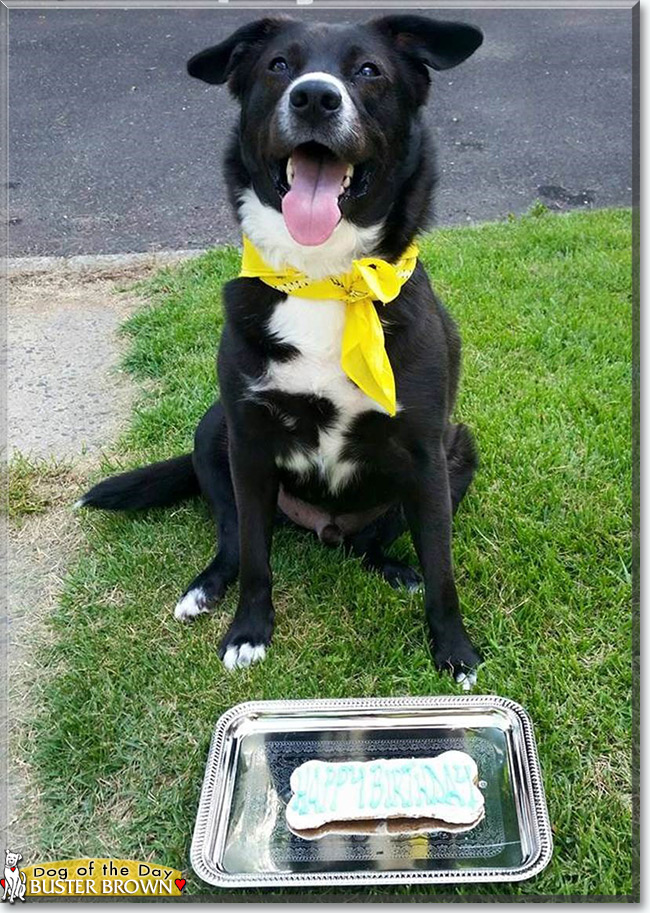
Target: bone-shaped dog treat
[[441, 788]]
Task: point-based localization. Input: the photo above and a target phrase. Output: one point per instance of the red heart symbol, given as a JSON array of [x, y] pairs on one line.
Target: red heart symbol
[[2, 882], [180, 883], [13, 868]]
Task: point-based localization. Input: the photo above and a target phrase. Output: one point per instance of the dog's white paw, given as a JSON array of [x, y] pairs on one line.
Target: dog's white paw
[[191, 604], [237, 657], [467, 679]]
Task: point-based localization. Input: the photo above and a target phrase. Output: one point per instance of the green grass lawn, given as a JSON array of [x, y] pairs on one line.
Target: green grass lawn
[[542, 551]]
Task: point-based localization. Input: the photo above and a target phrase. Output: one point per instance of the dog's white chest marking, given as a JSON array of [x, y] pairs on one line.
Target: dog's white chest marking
[[315, 328]]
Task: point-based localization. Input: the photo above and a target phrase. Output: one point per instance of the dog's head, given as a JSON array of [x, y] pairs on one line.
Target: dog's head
[[329, 112], [12, 859]]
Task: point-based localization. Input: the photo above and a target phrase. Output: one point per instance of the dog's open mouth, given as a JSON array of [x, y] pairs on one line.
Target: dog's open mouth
[[313, 183]]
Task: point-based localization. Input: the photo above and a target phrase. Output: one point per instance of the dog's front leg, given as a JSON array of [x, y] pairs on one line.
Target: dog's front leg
[[255, 481], [427, 505]]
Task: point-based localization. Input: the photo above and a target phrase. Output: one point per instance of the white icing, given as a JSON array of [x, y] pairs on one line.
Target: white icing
[[442, 788]]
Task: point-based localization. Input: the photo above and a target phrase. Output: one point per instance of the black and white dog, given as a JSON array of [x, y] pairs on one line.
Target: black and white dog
[[330, 162]]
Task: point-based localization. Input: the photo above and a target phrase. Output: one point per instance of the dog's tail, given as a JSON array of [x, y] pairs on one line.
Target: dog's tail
[[158, 485], [462, 461]]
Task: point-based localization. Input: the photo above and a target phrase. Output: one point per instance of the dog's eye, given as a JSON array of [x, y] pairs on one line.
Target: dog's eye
[[278, 65], [369, 70]]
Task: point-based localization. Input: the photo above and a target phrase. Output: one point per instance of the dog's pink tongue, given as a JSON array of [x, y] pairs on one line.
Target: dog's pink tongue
[[311, 207]]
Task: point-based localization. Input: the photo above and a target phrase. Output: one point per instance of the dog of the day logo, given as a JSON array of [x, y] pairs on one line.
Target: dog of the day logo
[[95, 877], [14, 881]]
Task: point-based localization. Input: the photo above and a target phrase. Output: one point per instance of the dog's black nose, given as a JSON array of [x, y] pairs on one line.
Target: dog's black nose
[[314, 99]]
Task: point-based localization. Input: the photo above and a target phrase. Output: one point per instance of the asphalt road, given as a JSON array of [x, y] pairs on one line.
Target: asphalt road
[[114, 149]]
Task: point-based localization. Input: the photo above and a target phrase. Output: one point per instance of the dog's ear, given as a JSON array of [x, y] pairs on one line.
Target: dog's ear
[[436, 43], [216, 64]]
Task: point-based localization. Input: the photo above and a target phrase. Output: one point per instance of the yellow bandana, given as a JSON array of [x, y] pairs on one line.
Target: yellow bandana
[[363, 356]]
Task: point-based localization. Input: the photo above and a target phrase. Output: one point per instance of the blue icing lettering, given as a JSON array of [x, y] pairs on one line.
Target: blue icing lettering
[[389, 798], [300, 794], [358, 776], [453, 786], [316, 791], [306, 795], [451, 795], [377, 786], [464, 777], [403, 785], [423, 792], [458, 787], [329, 794], [383, 786], [437, 789], [339, 781]]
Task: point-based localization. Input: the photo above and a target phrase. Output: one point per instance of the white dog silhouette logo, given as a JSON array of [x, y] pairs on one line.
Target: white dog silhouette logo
[[14, 880]]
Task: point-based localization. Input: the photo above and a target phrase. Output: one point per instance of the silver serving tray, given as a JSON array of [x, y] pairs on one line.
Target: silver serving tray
[[241, 838]]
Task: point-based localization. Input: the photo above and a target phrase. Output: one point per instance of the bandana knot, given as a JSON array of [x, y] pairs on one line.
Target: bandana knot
[[363, 353]]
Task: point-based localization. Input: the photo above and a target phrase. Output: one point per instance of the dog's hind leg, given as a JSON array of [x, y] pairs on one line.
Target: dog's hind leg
[[462, 461], [213, 472], [370, 542]]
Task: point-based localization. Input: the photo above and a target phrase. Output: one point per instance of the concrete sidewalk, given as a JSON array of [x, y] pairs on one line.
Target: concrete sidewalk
[[66, 394]]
